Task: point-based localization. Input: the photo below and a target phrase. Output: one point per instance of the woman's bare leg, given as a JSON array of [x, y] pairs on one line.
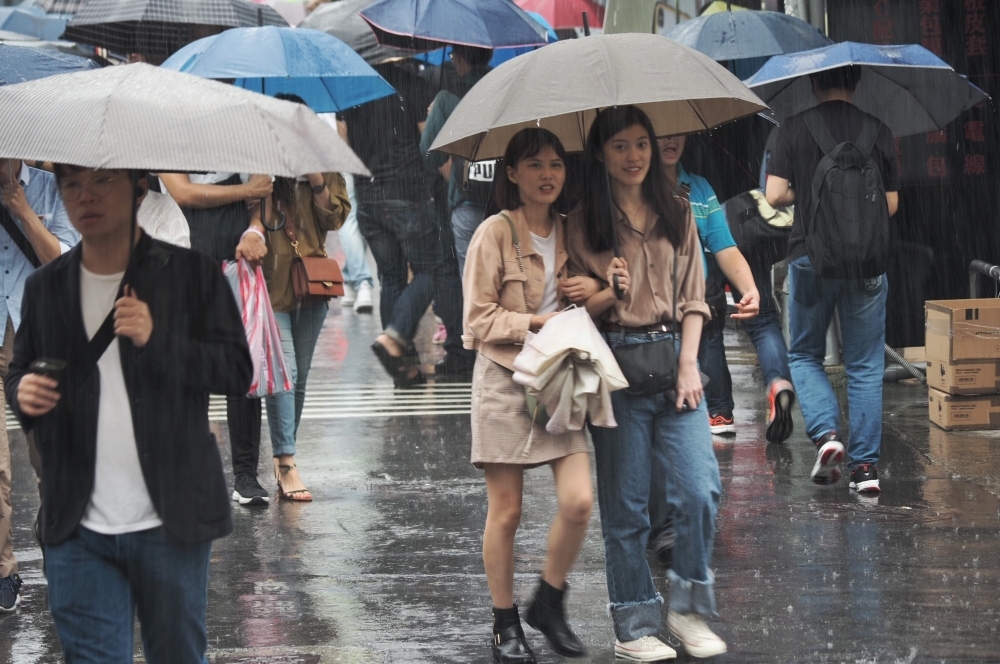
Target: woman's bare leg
[[575, 494], [504, 485]]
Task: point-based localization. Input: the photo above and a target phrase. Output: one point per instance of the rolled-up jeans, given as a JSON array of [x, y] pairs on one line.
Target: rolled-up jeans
[[402, 233], [860, 306], [299, 331], [651, 430]]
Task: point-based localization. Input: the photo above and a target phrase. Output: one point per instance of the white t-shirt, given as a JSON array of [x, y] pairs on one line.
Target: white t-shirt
[[120, 502], [546, 246], [160, 216]]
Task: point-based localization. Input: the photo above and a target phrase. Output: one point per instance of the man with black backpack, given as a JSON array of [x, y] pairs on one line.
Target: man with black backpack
[[837, 165]]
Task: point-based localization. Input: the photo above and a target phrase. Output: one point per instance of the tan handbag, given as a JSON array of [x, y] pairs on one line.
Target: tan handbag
[[314, 277]]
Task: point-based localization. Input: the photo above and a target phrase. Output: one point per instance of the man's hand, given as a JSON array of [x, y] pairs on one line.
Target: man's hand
[[36, 394], [252, 248], [749, 306], [579, 289], [132, 319], [13, 199], [259, 186], [689, 387]]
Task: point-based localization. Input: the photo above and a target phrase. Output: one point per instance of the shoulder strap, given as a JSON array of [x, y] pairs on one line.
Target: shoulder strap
[[520, 259], [820, 133], [19, 238], [865, 142], [99, 343]]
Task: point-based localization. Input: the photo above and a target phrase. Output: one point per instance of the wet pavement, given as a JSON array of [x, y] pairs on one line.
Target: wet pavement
[[384, 565]]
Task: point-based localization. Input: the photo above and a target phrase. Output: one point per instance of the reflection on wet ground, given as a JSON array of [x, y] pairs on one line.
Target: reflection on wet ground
[[384, 565]]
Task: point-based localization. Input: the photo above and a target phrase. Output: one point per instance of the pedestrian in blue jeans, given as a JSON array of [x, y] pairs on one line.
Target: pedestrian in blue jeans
[[358, 290], [300, 214], [859, 302], [659, 268]]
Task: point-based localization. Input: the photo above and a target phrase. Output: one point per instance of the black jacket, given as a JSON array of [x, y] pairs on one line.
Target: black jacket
[[198, 345]]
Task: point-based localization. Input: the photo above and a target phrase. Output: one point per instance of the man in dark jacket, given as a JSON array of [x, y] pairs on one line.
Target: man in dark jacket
[[133, 491]]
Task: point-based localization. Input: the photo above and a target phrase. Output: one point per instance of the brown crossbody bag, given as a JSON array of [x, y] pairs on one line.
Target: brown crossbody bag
[[314, 277]]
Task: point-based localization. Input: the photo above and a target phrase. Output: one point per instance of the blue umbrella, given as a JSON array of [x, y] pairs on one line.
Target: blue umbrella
[[27, 63], [907, 87], [500, 55], [318, 67], [32, 21], [425, 25], [747, 34]]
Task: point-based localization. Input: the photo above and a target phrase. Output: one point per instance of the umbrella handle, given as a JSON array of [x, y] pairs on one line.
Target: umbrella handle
[[619, 293]]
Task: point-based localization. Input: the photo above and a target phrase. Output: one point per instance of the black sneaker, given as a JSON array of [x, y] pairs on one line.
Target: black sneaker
[[829, 454], [10, 592], [248, 491], [864, 478]]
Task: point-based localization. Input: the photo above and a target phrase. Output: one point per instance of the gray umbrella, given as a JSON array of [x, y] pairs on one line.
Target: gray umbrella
[[747, 34], [341, 19], [160, 27], [143, 117], [562, 86]]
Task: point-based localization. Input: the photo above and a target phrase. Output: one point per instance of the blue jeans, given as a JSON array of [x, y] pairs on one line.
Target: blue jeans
[[400, 234], [299, 331], [356, 269], [652, 433], [99, 583], [448, 298], [764, 329], [465, 219], [860, 304]]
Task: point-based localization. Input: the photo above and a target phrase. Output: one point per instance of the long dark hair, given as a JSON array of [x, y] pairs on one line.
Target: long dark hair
[[597, 197], [525, 144], [284, 188]]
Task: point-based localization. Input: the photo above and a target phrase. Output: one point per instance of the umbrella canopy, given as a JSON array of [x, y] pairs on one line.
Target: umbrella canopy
[[24, 63], [341, 19], [31, 21], [907, 87], [424, 25], [144, 117], [500, 55], [565, 14], [569, 368], [594, 73], [318, 67], [292, 11], [738, 35], [718, 6], [59, 6], [162, 26]]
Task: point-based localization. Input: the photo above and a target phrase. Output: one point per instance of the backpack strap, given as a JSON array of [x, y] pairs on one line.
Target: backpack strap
[[870, 130], [820, 133]]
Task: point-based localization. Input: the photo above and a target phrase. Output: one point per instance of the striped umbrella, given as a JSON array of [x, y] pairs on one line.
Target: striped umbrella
[[60, 6], [148, 118], [160, 27]]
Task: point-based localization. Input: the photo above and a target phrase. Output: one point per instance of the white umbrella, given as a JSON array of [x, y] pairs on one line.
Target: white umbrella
[[569, 368], [143, 117]]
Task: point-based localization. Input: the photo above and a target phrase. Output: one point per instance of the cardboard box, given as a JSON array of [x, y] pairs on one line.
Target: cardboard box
[[951, 412], [963, 329], [968, 377]]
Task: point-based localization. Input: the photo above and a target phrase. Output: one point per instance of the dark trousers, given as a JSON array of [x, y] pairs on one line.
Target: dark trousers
[[243, 417]]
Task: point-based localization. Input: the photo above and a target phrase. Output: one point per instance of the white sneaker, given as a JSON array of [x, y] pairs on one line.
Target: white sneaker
[[644, 649], [363, 305], [698, 639], [349, 296]]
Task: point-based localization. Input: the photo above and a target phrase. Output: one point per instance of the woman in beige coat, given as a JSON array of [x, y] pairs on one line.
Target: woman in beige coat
[[515, 280]]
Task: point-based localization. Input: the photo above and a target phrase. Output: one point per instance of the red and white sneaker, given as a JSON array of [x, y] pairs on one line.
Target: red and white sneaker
[[864, 479], [720, 423], [781, 397], [829, 454]]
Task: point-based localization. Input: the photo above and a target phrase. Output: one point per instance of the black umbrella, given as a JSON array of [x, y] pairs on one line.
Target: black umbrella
[[160, 27], [341, 19]]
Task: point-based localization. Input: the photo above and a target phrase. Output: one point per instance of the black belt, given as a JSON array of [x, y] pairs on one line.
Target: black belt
[[615, 328]]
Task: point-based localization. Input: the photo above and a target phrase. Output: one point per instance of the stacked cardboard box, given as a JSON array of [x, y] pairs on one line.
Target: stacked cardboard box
[[963, 363]]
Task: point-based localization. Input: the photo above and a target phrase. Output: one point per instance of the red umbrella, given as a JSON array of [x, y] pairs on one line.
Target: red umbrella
[[563, 14]]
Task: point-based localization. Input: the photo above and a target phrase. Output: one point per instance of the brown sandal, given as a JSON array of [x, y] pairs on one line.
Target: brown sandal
[[299, 495]]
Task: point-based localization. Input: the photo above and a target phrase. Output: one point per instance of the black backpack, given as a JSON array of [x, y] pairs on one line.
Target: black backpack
[[477, 180], [847, 223]]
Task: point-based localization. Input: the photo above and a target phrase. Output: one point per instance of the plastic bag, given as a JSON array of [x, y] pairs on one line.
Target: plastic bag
[[271, 373]]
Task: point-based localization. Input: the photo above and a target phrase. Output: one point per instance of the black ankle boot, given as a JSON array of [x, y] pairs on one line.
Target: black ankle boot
[[547, 615], [509, 645]]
